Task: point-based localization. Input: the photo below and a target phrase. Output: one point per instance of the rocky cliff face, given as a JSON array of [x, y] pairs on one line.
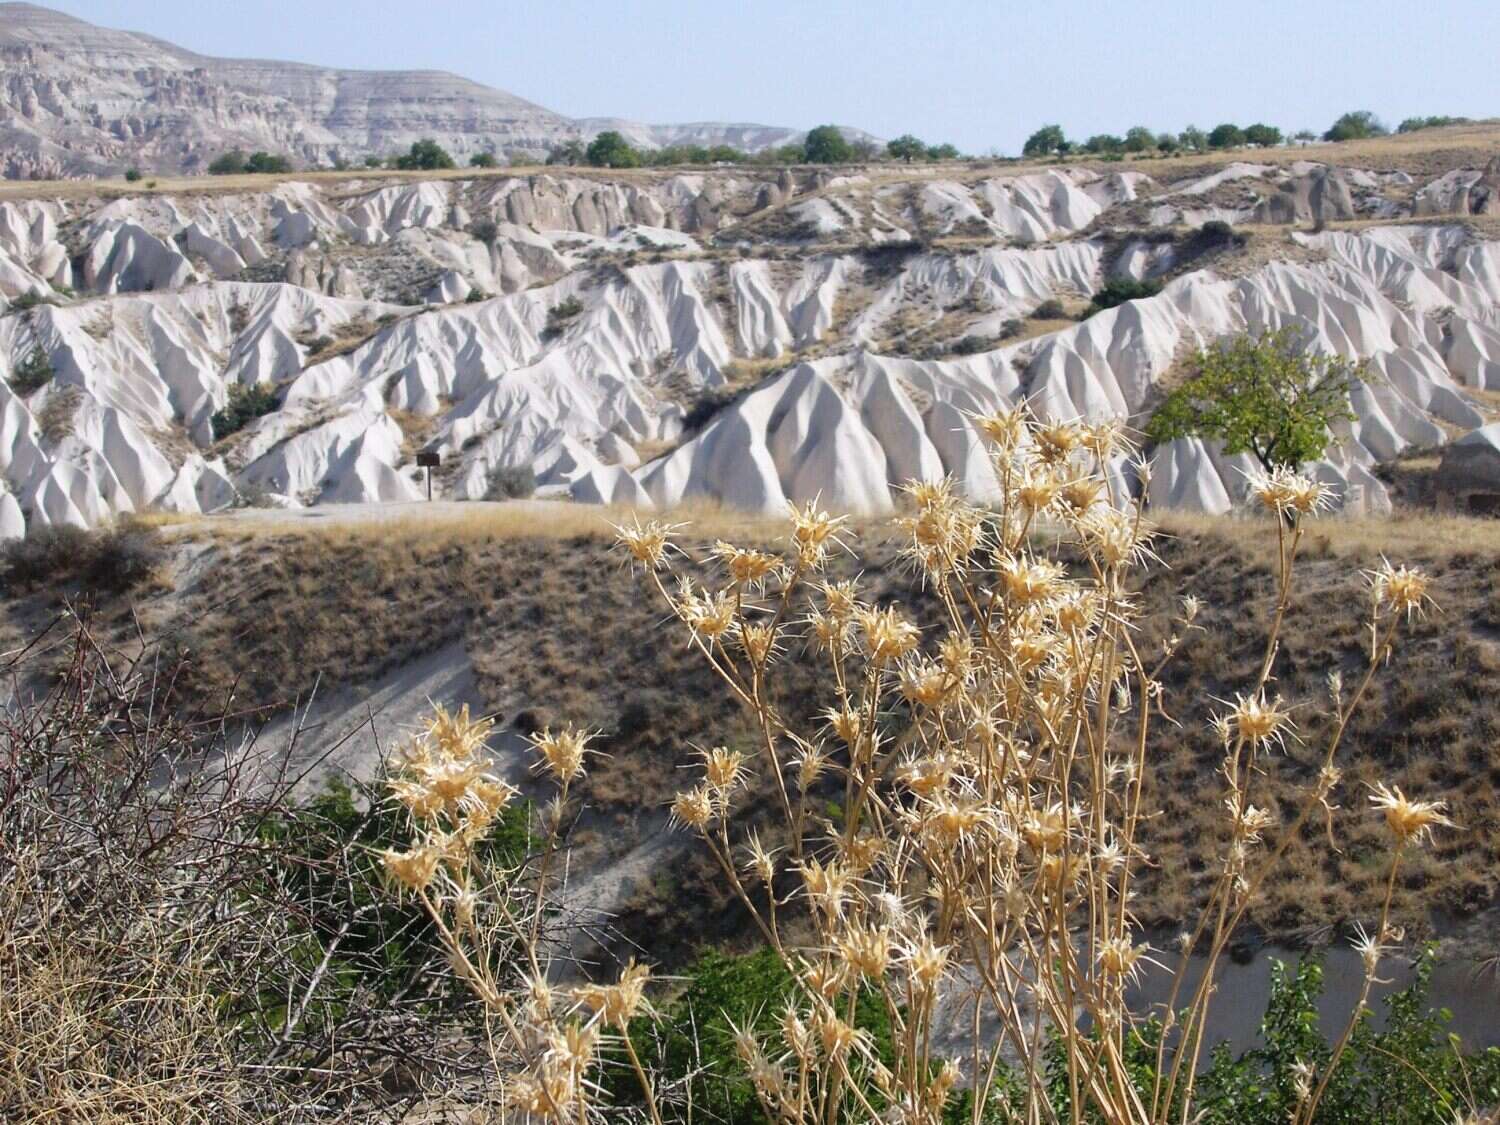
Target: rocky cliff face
[[77, 99]]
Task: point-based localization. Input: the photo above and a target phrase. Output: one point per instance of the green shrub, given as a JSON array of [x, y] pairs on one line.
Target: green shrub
[[267, 163], [132, 175], [692, 1043], [229, 164], [1050, 309], [1118, 290], [425, 155], [560, 315], [1412, 124], [32, 373], [246, 403], [1355, 126], [483, 160]]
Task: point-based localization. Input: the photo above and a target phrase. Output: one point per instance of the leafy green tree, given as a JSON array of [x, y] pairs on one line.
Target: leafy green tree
[[1356, 126], [826, 145], [267, 163], [1226, 135], [1045, 141], [229, 164], [425, 155], [906, 147], [1263, 395], [1304, 136], [610, 150], [1102, 143], [132, 175], [1167, 143], [1139, 139], [943, 151], [1193, 138], [483, 160], [1267, 136]]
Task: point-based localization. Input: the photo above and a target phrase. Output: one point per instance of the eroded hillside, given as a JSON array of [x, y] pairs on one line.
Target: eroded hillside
[[741, 336]]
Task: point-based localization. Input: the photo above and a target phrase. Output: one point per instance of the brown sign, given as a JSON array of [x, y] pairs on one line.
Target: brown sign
[[429, 459]]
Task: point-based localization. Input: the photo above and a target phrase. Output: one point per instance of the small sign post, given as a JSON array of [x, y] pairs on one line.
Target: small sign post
[[429, 459]]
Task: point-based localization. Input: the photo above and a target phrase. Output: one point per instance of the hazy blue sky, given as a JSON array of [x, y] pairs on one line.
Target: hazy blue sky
[[981, 75]]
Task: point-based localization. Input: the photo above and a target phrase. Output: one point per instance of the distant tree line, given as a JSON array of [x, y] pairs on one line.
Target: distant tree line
[[1050, 140], [824, 145]]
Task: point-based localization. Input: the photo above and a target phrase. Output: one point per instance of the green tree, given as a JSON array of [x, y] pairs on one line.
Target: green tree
[[229, 164], [267, 163], [1264, 395], [826, 145], [1356, 126], [1102, 143], [1193, 138], [425, 155], [1167, 143], [132, 175], [906, 147], [943, 151], [1046, 140], [1267, 136], [483, 160], [1226, 135], [610, 150], [31, 373], [1139, 139]]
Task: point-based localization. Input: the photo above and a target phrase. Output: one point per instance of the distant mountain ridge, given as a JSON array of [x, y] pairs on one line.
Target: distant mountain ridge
[[78, 99]]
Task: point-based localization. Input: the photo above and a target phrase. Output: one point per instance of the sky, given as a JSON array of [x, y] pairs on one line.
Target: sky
[[979, 75]]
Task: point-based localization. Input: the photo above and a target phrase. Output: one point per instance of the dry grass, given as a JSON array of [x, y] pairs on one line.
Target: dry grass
[[556, 629]]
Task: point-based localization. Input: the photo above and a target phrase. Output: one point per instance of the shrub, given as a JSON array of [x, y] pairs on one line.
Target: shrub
[[1050, 309], [826, 145], [266, 163], [32, 373], [1118, 290], [132, 175], [245, 405], [514, 482], [1193, 138], [611, 150], [1139, 139], [425, 155], [483, 160], [229, 164], [1412, 124], [486, 230], [1102, 143], [560, 315], [373, 161], [1355, 126], [111, 561]]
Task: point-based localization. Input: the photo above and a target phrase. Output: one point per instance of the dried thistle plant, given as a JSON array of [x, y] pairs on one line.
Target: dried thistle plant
[[992, 775]]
